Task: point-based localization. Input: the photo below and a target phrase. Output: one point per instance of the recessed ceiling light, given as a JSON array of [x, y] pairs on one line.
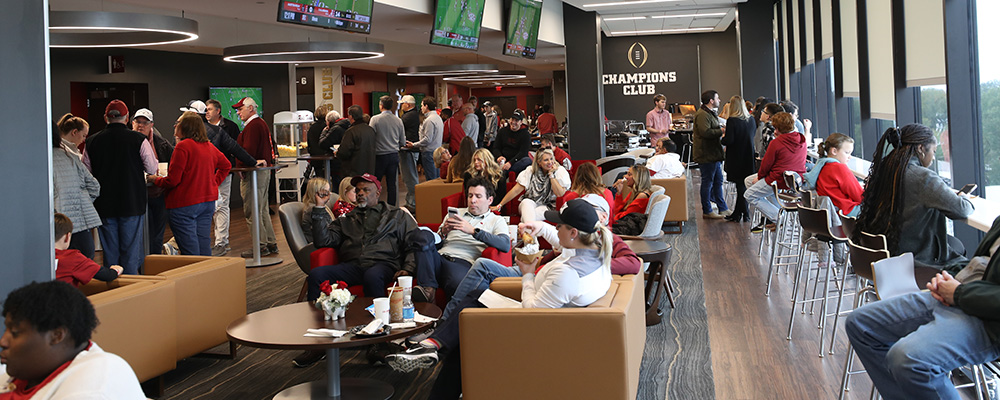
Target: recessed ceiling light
[[499, 75], [623, 18], [690, 15], [660, 31], [115, 29], [441, 70], [627, 3], [293, 52]]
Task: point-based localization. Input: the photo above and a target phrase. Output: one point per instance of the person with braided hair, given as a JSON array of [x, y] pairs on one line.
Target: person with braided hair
[[909, 202]]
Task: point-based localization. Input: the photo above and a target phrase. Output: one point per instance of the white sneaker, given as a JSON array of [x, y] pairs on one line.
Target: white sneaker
[[170, 250]]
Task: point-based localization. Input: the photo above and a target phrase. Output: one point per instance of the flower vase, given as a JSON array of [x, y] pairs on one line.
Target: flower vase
[[339, 312], [329, 312]]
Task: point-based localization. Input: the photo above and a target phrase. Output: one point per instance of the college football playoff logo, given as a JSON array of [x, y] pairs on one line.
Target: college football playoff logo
[[637, 55]]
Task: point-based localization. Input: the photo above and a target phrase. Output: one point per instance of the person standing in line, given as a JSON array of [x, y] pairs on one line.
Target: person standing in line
[[430, 134], [408, 156], [709, 155], [471, 123], [481, 119], [738, 140], [214, 116], [453, 133], [357, 150], [156, 207], [256, 140], [389, 138], [658, 120], [547, 121], [491, 126], [312, 138], [118, 156], [74, 188]]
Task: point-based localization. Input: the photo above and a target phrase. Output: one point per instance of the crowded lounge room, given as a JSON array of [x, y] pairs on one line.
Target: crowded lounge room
[[500, 199]]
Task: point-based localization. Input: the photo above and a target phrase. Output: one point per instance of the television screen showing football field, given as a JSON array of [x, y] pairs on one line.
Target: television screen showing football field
[[457, 23], [347, 15], [522, 28]]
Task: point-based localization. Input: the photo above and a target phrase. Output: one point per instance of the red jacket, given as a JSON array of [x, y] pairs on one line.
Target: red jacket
[[256, 140], [838, 182], [622, 208], [787, 152], [453, 134], [195, 172], [610, 198], [547, 123], [75, 268]]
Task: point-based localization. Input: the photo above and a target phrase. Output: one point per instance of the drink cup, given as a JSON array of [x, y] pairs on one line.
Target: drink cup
[[382, 309], [405, 282], [396, 304]]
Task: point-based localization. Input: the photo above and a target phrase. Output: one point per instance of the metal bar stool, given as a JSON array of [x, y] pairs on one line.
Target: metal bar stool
[[785, 236]]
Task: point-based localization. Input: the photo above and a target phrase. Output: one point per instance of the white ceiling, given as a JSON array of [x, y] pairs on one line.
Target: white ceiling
[[650, 25], [403, 31]]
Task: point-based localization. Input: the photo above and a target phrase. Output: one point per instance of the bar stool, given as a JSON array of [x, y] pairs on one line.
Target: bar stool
[[785, 236], [658, 282]]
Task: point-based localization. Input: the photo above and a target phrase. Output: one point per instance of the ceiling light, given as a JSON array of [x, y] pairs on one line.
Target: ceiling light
[[627, 3], [115, 29], [498, 76], [439, 70], [689, 15], [623, 18], [660, 31], [303, 52]]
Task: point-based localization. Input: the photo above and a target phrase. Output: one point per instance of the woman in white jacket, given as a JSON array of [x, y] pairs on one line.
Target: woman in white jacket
[[574, 281], [74, 188]]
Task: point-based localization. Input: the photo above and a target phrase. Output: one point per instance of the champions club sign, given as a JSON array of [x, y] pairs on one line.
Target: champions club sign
[[635, 71]]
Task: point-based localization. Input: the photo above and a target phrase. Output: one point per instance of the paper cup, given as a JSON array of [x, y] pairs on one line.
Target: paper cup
[[382, 309], [406, 282]]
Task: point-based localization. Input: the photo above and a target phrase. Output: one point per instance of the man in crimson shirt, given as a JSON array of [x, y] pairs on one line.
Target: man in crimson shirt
[[256, 140], [547, 121]]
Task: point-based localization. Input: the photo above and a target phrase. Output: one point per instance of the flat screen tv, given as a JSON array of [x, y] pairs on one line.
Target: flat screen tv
[[457, 23], [345, 15], [522, 28], [228, 96]]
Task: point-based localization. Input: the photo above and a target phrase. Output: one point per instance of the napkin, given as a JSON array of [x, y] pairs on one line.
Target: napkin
[[324, 333], [372, 327], [422, 319]]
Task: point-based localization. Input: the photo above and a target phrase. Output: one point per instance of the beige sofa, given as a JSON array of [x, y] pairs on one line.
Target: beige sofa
[[568, 353]]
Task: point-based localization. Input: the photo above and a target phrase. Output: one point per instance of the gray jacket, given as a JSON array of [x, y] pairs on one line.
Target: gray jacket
[[927, 203], [431, 132], [74, 190], [471, 127], [389, 133]]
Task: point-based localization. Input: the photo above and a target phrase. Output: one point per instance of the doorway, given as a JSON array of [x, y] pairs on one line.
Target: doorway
[[95, 96], [507, 104]]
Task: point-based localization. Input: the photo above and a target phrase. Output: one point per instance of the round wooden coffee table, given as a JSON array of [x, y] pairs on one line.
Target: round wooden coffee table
[[282, 328]]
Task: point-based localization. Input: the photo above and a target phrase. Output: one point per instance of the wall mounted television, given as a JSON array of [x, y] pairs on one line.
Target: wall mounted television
[[228, 96], [522, 28], [345, 15], [457, 23]]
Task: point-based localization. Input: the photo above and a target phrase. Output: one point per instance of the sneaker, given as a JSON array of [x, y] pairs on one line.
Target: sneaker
[[249, 253], [308, 358], [170, 250], [220, 250], [757, 229], [377, 352], [419, 357], [272, 248], [727, 213], [423, 294], [415, 340], [712, 215]]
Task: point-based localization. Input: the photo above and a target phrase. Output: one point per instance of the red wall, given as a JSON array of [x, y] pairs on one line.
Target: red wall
[[366, 82], [521, 93]]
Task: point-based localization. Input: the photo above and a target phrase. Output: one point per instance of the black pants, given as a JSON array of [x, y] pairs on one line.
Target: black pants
[[157, 220], [387, 165], [740, 209], [84, 242]]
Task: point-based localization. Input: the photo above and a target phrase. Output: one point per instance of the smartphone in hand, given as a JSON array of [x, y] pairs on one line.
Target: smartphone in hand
[[967, 189]]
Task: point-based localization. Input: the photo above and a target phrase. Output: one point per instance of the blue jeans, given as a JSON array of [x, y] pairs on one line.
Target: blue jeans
[[121, 238], [482, 273], [408, 170], [192, 227], [374, 278], [760, 195], [909, 343], [711, 187], [387, 165], [427, 161], [438, 271]]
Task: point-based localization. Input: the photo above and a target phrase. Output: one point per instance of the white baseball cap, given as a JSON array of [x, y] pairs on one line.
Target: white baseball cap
[[195, 106], [408, 99], [144, 112]]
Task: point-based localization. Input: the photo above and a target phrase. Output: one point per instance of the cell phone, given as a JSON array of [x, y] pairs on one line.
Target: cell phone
[[968, 188], [324, 194], [453, 211]]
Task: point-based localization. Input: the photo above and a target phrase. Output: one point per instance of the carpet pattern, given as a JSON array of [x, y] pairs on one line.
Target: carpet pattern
[[676, 362]]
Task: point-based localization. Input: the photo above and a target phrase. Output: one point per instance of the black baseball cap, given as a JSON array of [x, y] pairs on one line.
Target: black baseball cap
[[518, 115], [578, 214]]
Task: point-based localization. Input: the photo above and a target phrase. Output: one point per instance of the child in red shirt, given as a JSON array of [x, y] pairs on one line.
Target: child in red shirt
[[72, 266]]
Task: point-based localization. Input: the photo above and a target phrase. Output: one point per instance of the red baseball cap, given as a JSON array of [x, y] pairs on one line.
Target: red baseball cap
[[243, 101], [117, 105], [366, 177]]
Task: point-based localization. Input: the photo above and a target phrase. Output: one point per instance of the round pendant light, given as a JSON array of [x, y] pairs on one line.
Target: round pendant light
[[493, 76], [303, 52], [116, 29], [455, 69]]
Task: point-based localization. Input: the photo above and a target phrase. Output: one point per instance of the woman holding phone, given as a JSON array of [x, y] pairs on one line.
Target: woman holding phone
[[316, 187]]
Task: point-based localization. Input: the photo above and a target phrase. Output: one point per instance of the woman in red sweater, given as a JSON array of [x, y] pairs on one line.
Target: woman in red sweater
[[831, 177], [193, 177], [637, 198], [588, 181]]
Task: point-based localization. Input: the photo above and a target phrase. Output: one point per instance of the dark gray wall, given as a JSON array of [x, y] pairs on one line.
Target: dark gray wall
[[624, 57], [757, 49], [584, 93], [173, 79], [25, 147]]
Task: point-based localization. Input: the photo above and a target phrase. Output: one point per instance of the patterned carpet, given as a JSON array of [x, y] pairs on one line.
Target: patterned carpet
[[676, 363]]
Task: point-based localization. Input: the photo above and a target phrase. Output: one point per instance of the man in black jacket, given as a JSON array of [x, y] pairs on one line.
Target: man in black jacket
[[512, 146], [156, 207], [214, 115], [357, 150], [408, 156]]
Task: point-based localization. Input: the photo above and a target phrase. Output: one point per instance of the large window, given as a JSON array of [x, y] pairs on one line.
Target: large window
[[934, 114], [989, 93]]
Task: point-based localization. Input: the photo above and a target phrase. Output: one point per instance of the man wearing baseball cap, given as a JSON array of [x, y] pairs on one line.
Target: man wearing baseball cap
[[142, 122], [371, 242], [512, 146], [117, 156], [256, 140]]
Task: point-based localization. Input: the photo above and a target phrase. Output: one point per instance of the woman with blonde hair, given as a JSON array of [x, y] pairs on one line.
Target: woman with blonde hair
[[740, 128], [74, 188], [193, 177], [321, 187], [633, 192], [483, 166], [541, 183]]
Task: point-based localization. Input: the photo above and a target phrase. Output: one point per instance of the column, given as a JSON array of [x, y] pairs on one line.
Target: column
[[584, 92]]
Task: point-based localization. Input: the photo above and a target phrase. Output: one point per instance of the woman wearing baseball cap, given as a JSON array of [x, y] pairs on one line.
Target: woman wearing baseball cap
[[579, 277]]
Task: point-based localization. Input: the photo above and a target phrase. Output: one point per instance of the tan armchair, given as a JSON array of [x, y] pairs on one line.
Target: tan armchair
[[677, 212], [568, 353]]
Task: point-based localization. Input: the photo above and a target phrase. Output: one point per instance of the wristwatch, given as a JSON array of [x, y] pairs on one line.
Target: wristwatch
[[476, 231]]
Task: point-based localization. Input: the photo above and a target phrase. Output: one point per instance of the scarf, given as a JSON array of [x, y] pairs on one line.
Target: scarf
[[539, 189]]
